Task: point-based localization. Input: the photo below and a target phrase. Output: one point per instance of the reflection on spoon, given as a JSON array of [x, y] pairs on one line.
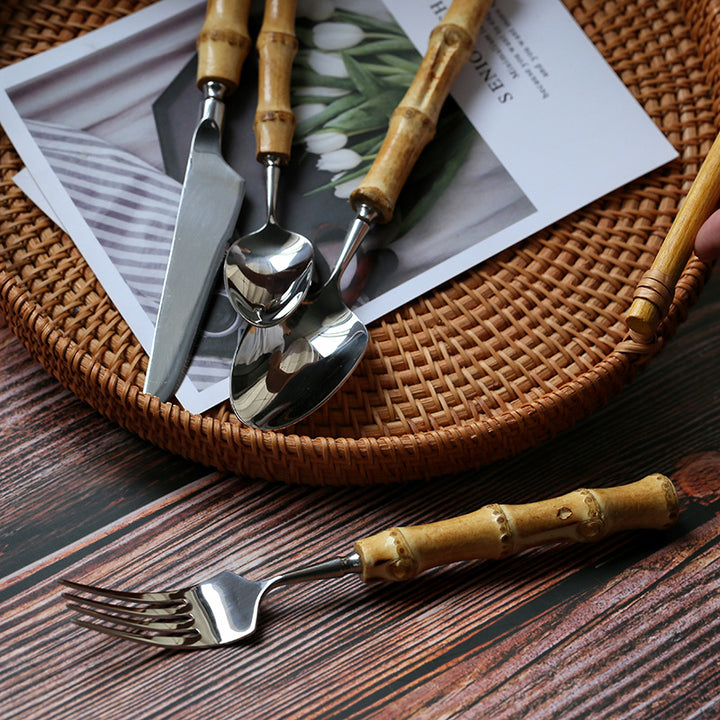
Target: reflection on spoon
[[323, 341], [278, 379], [268, 273]]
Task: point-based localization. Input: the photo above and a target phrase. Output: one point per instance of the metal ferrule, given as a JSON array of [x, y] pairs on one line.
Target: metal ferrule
[[272, 181], [213, 108], [350, 564], [354, 237]]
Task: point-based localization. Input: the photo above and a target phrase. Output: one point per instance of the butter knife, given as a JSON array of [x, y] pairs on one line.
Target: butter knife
[[210, 201]]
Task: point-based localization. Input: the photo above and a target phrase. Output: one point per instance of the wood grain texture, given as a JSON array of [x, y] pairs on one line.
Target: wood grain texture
[[66, 470], [599, 663], [627, 627]]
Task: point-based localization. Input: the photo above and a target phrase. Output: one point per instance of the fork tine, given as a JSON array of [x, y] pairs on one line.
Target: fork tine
[[138, 621], [176, 608], [185, 639], [154, 597]]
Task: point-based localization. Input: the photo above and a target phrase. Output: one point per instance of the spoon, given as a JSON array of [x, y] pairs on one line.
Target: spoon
[[268, 273], [282, 374]]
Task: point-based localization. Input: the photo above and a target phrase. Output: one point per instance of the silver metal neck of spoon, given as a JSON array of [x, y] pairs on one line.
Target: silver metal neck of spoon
[[272, 165], [353, 238]]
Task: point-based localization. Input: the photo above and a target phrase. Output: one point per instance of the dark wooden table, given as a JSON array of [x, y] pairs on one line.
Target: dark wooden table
[[626, 628]]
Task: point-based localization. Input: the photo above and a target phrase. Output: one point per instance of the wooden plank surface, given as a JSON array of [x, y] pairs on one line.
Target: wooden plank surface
[[626, 628]]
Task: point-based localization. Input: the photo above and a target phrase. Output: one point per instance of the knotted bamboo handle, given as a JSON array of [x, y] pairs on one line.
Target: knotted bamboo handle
[[277, 45], [413, 122], [655, 291], [496, 531], [223, 42]]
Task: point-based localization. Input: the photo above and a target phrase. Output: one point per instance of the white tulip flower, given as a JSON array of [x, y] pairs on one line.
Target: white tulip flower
[[324, 92], [337, 35], [316, 10], [338, 160], [307, 110], [343, 190], [324, 142], [326, 63]]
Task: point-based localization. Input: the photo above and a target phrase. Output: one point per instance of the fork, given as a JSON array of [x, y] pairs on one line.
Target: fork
[[225, 608]]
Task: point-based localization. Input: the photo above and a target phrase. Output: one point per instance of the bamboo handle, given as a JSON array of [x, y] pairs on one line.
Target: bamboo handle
[[654, 292], [223, 42], [413, 122], [274, 120], [496, 531]]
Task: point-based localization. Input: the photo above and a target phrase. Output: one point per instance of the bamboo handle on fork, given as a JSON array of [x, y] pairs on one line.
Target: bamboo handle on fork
[[654, 292], [413, 122], [496, 531], [223, 42], [277, 45]]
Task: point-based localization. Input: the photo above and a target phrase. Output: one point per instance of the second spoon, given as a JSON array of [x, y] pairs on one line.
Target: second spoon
[[268, 273]]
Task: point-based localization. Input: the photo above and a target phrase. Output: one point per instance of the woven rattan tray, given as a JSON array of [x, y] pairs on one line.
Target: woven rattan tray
[[498, 360]]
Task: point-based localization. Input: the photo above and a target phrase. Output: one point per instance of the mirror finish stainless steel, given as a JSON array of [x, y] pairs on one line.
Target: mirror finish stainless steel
[[268, 273], [281, 374], [219, 611], [279, 377], [209, 207]]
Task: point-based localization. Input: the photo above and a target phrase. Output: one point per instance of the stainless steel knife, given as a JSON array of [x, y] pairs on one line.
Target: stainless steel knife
[[210, 201]]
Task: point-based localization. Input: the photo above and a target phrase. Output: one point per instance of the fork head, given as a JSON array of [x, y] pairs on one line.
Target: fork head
[[216, 612]]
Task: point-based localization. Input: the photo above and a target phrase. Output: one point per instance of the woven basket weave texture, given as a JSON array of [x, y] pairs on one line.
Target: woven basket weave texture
[[498, 360]]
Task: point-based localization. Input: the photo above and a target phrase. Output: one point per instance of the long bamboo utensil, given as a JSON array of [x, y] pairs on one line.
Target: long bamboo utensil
[[654, 292]]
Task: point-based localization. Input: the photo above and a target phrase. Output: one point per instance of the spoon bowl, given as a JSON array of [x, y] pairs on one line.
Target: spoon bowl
[[281, 374], [268, 272], [274, 384]]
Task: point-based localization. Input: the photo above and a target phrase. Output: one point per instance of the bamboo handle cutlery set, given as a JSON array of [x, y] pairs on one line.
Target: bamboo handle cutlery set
[[311, 341], [315, 340]]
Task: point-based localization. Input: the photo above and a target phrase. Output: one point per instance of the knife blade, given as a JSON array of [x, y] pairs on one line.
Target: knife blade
[[210, 200]]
